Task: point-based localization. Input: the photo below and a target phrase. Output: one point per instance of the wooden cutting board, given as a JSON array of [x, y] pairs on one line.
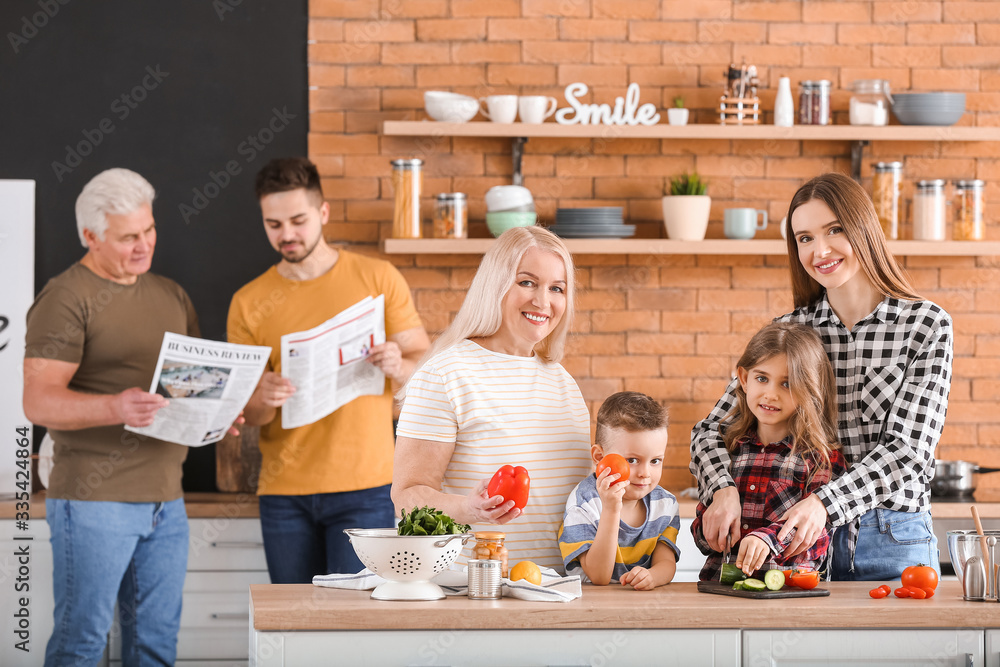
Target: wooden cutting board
[[727, 589]]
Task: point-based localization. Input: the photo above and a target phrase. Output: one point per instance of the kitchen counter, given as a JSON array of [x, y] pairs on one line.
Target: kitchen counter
[[199, 506], [678, 605]]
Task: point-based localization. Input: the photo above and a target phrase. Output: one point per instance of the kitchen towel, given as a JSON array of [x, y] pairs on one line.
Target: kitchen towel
[[554, 588]]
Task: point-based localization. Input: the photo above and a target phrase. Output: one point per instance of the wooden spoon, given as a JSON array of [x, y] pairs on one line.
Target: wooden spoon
[[985, 548]]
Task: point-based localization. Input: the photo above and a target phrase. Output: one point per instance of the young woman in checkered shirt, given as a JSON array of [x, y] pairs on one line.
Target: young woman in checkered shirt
[[891, 352], [782, 440]]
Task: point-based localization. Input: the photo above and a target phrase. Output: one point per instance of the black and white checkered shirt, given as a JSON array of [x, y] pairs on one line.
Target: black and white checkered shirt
[[893, 378]]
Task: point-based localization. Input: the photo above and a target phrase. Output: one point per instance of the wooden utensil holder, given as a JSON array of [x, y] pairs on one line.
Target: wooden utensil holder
[[739, 110]]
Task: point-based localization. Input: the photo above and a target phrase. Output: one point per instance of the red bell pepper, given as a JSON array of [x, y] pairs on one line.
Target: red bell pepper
[[511, 483]]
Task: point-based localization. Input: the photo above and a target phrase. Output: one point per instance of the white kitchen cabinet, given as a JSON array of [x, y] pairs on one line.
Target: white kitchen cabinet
[[39, 596], [858, 648], [692, 560], [512, 648], [992, 648]]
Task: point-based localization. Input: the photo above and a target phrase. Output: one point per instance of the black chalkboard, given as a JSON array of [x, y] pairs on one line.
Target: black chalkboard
[[195, 95]]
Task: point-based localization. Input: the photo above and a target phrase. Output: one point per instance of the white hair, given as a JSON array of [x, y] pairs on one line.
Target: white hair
[[112, 192]]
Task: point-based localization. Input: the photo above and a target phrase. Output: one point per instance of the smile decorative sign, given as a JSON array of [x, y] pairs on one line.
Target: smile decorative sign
[[625, 112]]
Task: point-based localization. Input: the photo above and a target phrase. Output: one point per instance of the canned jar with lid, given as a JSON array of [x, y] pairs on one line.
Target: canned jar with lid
[[450, 216], [886, 181], [489, 546], [870, 102], [929, 210], [969, 225], [407, 182], [814, 102]]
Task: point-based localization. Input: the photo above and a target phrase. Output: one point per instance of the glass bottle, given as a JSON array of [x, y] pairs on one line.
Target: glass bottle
[[450, 216], [870, 102], [969, 211], [489, 546], [886, 181], [784, 110], [407, 183], [928, 210]]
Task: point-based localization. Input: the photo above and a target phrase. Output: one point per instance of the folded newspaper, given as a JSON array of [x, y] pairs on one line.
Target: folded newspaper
[[207, 383], [327, 366]]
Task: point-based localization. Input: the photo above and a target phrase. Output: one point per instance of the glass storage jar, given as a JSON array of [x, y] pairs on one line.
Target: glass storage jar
[[969, 224], [928, 210], [886, 181], [814, 102], [407, 182], [870, 102], [489, 546], [450, 216]]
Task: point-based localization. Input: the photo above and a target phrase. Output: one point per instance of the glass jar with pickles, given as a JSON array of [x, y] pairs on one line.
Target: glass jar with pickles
[[969, 225], [887, 178], [489, 546]]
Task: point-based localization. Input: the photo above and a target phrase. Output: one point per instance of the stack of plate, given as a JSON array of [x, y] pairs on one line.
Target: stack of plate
[[601, 222], [928, 108]]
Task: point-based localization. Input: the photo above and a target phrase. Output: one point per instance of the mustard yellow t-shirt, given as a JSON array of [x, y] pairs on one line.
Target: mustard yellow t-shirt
[[352, 448]]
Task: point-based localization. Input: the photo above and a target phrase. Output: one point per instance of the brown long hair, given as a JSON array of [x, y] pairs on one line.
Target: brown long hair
[[856, 214], [811, 381]]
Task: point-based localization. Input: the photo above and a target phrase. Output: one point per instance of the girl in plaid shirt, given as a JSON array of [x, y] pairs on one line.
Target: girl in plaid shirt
[[782, 440]]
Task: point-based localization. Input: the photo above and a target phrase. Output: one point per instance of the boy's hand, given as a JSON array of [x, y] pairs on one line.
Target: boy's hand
[[610, 489], [638, 578], [753, 552]]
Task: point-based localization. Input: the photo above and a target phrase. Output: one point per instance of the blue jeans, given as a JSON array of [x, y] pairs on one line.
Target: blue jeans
[[135, 553], [888, 542], [304, 535]]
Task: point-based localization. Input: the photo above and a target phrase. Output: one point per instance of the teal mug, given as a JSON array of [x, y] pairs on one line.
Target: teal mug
[[741, 223]]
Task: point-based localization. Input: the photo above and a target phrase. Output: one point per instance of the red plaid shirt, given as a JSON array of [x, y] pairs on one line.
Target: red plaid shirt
[[770, 480]]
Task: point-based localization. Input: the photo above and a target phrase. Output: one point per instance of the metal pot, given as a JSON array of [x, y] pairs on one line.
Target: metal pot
[[954, 478]]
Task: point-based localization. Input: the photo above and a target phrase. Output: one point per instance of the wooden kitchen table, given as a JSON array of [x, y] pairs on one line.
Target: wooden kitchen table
[[673, 625]]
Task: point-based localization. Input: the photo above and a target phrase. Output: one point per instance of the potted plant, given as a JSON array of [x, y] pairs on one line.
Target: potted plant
[[678, 115], [686, 207]]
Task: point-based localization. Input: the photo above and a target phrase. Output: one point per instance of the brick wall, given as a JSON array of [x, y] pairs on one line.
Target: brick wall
[[670, 326]]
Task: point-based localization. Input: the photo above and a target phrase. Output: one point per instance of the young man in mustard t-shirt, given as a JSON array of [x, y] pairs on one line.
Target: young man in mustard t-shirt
[[319, 479]]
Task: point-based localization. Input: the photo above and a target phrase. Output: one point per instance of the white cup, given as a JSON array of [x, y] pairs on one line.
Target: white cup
[[499, 108], [535, 108]]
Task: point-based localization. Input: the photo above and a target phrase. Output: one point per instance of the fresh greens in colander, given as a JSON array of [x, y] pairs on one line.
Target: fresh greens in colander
[[429, 521]]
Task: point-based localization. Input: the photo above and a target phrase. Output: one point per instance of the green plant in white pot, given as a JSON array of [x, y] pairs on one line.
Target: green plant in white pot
[[678, 115], [686, 207]]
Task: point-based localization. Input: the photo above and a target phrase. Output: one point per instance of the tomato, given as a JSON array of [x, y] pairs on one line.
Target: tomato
[[886, 588], [805, 579], [511, 483], [929, 591], [878, 593], [902, 592], [920, 576], [916, 593], [788, 577], [617, 464]]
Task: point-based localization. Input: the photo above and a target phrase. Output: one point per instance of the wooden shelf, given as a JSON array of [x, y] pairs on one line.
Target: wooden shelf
[[668, 247], [422, 128]]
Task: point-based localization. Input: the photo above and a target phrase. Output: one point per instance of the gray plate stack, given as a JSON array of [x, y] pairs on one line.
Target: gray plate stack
[[928, 108], [599, 222]]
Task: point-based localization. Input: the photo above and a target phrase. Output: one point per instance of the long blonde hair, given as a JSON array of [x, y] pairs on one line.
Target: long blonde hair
[[811, 381], [856, 214], [481, 313]]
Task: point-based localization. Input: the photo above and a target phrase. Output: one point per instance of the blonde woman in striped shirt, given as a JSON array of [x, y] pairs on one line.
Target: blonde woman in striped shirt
[[491, 392]]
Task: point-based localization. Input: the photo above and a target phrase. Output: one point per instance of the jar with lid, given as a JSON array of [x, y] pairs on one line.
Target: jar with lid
[[814, 102], [928, 210], [407, 182], [969, 224], [870, 102], [489, 546], [450, 216], [886, 181]]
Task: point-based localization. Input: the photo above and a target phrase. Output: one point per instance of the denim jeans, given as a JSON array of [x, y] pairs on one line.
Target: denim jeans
[[135, 553], [304, 535], [888, 542]]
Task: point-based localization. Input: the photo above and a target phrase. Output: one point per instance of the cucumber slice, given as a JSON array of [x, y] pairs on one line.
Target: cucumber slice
[[774, 580], [754, 585], [738, 585], [731, 574]]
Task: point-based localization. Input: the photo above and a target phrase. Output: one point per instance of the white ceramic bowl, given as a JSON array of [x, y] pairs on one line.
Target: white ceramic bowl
[[450, 107], [508, 197]]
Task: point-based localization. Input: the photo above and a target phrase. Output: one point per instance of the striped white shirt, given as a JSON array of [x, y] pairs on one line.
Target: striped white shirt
[[500, 409]]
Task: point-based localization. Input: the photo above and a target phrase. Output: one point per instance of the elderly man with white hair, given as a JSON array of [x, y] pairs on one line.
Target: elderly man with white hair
[[115, 506]]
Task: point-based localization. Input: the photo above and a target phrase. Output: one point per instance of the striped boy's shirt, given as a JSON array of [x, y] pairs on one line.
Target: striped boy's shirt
[[501, 409]]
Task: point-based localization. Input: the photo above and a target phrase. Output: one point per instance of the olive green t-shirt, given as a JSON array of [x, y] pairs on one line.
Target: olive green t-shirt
[[114, 332]]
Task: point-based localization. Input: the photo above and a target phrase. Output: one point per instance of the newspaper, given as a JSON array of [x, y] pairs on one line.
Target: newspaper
[[207, 383], [327, 366]]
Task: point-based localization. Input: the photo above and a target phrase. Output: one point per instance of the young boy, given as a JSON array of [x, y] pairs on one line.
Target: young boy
[[618, 530]]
